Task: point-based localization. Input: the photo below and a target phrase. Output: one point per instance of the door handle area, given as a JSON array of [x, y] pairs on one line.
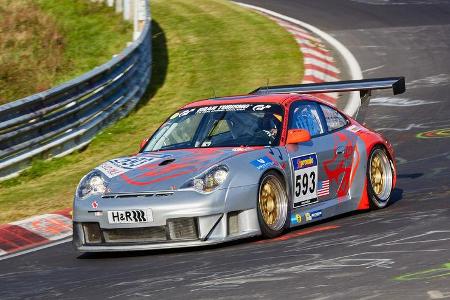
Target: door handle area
[[340, 150]]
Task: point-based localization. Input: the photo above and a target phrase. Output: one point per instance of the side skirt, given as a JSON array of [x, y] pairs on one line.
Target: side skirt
[[321, 211]]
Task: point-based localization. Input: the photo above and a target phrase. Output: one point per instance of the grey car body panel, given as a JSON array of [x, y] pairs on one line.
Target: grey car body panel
[[237, 194]]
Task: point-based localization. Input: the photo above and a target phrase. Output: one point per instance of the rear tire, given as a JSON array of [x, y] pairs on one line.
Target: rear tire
[[272, 205], [379, 178]]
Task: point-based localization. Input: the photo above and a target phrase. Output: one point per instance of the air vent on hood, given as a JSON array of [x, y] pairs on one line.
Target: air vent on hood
[[137, 195], [167, 161]]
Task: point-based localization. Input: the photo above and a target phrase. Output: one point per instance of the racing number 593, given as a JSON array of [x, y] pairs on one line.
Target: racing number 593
[[305, 182]]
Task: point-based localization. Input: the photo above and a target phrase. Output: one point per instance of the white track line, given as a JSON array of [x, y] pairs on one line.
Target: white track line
[[354, 69]]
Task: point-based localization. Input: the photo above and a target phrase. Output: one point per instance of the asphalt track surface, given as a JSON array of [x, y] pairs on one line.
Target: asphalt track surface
[[397, 253]]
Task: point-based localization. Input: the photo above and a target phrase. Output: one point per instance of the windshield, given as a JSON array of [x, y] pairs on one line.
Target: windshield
[[230, 125]]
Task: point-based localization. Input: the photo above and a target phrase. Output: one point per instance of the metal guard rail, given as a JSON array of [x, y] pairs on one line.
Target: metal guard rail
[[66, 118]]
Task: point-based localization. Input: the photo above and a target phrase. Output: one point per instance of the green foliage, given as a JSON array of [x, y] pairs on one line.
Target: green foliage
[[46, 42]]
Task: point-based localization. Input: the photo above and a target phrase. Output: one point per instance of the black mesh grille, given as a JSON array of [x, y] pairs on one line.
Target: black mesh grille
[[179, 229], [92, 233], [182, 229], [127, 235], [233, 222]]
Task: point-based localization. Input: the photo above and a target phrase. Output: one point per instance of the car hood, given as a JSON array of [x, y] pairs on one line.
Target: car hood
[[163, 170]]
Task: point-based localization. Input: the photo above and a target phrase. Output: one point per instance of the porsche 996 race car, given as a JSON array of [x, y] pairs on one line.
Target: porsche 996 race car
[[229, 168]]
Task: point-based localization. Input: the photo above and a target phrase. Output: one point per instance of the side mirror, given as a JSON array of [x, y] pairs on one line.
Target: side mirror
[[142, 145], [296, 136]]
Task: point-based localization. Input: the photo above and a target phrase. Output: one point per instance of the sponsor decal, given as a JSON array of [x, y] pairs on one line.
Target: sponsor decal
[[241, 149], [309, 216], [262, 163], [261, 107], [279, 117], [323, 188], [305, 161], [132, 162], [186, 112], [305, 180], [130, 216], [353, 128], [121, 165], [225, 107], [94, 204], [110, 169], [181, 113], [306, 202], [174, 115], [296, 218]]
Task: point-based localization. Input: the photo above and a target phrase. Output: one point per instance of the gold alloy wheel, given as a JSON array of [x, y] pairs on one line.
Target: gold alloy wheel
[[376, 175], [272, 202], [380, 175]]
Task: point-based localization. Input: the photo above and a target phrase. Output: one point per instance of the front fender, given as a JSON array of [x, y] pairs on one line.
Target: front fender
[[246, 171]]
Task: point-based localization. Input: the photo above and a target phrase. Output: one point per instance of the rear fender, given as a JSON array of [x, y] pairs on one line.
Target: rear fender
[[367, 140]]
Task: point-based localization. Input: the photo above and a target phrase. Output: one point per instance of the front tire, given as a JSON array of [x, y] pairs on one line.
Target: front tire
[[272, 205], [379, 178]]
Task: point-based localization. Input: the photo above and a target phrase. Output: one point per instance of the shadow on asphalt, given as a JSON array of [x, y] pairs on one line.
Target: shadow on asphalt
[[199, 249], [397, 195], [411, 176]]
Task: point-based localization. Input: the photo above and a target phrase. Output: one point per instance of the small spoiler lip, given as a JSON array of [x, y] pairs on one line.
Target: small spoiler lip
[[397, 84]]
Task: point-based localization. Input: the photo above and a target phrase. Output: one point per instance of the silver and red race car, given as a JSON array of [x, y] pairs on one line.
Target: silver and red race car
[[234, 167]]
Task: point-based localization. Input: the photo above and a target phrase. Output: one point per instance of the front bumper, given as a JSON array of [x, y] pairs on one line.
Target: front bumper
[[167, 245], [182, 219]]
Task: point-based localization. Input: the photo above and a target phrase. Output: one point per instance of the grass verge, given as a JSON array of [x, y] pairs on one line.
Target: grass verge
[[46, 42], [198, 46]]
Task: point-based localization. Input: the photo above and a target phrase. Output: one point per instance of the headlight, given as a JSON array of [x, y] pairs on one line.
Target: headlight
[[92, 184], [210, 180]]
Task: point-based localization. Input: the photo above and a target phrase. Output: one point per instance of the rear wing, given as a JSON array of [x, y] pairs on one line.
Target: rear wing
[[364, 86]]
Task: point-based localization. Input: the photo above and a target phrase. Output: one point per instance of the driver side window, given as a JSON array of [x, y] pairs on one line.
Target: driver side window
[[305, 115]]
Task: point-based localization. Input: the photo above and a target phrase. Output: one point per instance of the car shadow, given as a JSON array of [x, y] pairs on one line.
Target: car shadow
[[196, 249], [410, 176], [160, 62], [397, 195]]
